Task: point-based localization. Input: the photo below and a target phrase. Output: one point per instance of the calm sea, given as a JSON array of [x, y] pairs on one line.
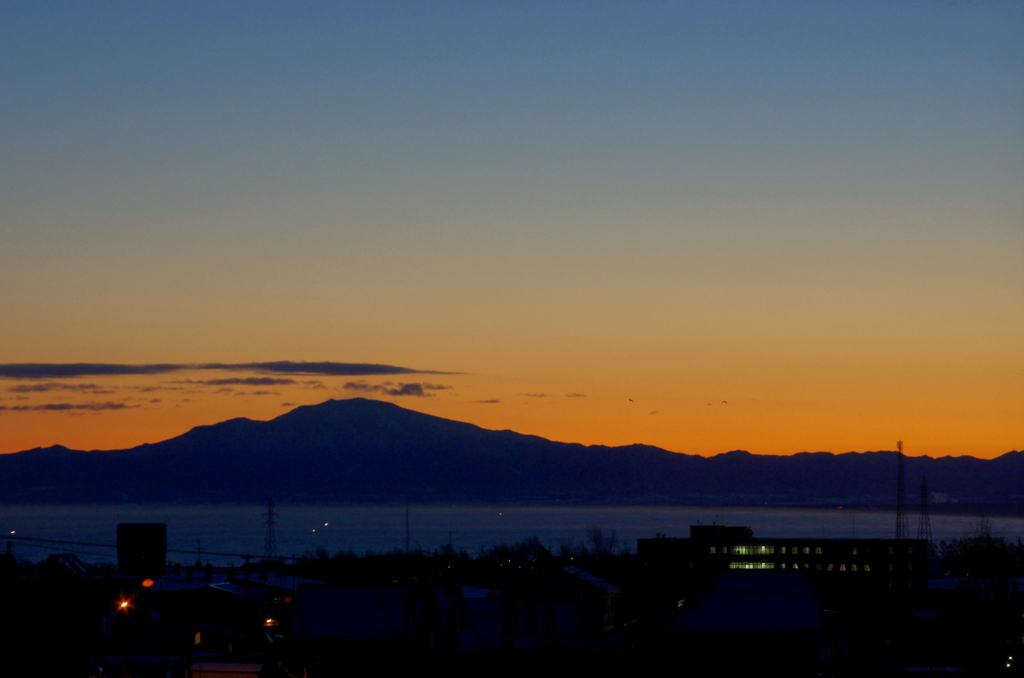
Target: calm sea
[[302, 529]]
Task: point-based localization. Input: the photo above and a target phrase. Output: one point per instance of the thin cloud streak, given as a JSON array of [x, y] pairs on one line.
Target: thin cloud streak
[[414, 389], [58, 370], [56, 386], [249, 381], [325, 368], [64, 407]]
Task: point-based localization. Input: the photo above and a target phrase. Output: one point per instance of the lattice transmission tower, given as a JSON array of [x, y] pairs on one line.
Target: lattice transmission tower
[[270, 543], [924, 520], [902, 531]]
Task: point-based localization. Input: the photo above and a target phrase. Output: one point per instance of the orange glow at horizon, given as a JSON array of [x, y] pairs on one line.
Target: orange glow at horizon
[[796, 227], [859, 412]]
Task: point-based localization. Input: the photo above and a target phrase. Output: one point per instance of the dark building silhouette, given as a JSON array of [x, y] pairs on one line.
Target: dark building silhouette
[[64, 565], [815, 605], [141, 548], [747, 620], [844, 563]]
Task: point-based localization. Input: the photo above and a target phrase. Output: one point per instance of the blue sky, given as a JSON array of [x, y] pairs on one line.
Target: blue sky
[[783, 199]]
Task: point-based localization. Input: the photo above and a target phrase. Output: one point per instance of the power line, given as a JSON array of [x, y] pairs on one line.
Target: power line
[[57, 548], [114, 546], [62, 541]]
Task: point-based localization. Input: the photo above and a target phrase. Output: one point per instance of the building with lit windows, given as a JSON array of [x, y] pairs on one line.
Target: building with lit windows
[[841, 563]]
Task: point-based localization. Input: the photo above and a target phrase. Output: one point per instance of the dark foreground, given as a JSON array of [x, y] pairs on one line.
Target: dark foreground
[[721, 602]]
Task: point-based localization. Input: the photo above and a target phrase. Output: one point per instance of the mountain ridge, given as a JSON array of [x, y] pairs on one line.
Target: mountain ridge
[[366, 451]]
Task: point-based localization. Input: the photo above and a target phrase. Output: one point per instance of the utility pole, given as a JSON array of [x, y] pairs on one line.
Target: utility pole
[[270, 543], [902, 531], [924, 520]]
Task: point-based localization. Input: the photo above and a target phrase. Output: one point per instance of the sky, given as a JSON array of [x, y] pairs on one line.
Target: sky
[[779, 227]]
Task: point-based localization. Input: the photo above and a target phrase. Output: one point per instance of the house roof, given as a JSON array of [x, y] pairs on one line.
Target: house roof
[[741, 601], [227, 667], [591, 579], [350, 613]]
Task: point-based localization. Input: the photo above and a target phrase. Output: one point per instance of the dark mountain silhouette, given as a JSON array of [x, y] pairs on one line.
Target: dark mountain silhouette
[[370, 451]]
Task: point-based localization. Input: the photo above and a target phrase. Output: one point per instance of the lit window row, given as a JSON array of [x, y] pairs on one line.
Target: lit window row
[[736, 565], [794, 550], [852, 567], [768, 549], [910, 550], [753, 550]]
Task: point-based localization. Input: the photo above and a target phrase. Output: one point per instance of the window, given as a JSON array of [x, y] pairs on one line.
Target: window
[[890, 567], [783, 566], [817, 550], [830, 567], [712, 549], [890, 550], [854, 550], [842, 567], [867, 568], [806, 566], [867, 551], [754, 550], [796, 566], [746, 565], [818, 567], [853, 568], [807, 550]]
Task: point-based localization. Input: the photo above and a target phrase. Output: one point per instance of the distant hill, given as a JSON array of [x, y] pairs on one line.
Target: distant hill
[[370, 452]]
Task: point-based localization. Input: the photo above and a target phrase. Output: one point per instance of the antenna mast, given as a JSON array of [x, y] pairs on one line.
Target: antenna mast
[[270, 544], [924, 520], [902, 531]]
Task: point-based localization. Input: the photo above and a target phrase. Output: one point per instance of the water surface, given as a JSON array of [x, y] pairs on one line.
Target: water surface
[[198, 530]]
